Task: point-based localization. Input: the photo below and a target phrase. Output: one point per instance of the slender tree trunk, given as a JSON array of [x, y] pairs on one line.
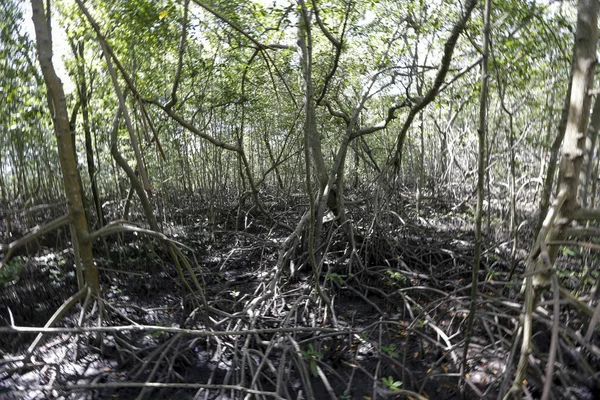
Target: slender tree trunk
[[514, 220], [421, 164], [543, 152], [313, 156], [273, 159], [596, 162], [590, 144], [89, 151], [545, 250], [315, 160], [553, 162], [444, 154], [481, 160], [439, 79], [6, 205], [136, 185], [60, 119], [578, 116], [310, 123]]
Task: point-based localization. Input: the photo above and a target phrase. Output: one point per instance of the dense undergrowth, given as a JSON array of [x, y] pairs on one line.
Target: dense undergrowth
[[395, 328]]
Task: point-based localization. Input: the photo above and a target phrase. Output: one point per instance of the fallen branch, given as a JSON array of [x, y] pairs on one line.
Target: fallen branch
[[121, 385], [126, 226], [62, 310], [147, 328], [35, 233]]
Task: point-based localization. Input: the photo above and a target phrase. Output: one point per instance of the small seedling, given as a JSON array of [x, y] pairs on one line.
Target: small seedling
[[391, 383], [395, 277], [336, 277], [311, 355], [390, 350]]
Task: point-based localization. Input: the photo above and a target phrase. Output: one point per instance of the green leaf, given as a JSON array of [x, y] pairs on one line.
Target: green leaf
[[313, 368]]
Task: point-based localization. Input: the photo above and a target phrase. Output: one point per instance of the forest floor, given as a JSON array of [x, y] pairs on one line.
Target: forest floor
[[400, 310]]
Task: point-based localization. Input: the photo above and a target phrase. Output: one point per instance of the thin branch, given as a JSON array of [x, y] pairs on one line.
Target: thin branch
[[460, 74], [125, 75], [58, 314], [235, 26], [553, 340], [166, 329], [195, 130], [338, 44], [593, 323], [330, 37], [35, 233], [575, 302], [126, 226], [588, 245], [31, 209], [118, 385], [173, 100], [439, 79], [336, 113], [391, 115], [586, 214]]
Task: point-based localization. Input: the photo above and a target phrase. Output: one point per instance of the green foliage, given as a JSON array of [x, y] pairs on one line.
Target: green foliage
[[11, 271], [311, 356], [569, 251], [584, 275], [233, 90], [395, 277], [26, 137], [391, 383], [390, 350], [336, 277]]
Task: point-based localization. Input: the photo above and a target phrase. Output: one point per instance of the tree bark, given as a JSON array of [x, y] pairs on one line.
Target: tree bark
[[78, 52], [590, 145], [481, 161], [310, 122], [544, 252], [553, 162], [579, 112], [60, 120]]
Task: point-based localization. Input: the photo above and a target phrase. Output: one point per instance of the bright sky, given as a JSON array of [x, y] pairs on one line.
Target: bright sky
[[59, 44]]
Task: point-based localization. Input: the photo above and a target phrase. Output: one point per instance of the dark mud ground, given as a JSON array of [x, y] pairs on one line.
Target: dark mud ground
[[409, 302]]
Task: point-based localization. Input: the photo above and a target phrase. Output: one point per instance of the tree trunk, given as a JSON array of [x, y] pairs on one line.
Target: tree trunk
[[552, 163], [310, 122], [421, 172], [89, 151], [578, 116], [545, 250], [590, 144], [60, 119], [481, 161]]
